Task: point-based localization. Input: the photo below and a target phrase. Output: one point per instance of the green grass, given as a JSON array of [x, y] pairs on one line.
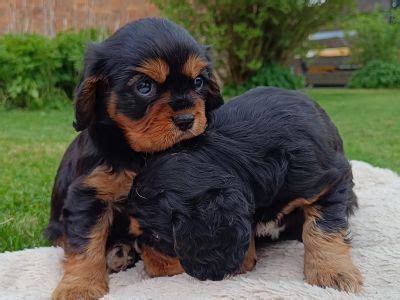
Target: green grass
[[32, 144], [369, 122]]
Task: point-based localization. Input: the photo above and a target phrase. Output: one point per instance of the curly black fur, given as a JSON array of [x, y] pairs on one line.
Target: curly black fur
[[201, 200]]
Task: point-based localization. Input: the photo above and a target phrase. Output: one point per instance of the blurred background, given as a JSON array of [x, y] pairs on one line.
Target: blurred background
[[345, 54]]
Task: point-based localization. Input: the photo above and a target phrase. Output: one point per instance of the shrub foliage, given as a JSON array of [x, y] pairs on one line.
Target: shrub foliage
[[37, 72], [377, 37], [248, 34], [269, 75], [377, 74], [27, 67]]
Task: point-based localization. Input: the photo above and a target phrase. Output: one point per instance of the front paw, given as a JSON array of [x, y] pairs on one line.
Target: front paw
[[74, 292], [348, 278], [120, 257]]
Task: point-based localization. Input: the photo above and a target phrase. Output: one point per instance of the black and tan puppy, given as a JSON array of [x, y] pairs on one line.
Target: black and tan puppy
[[144, 89], [266, 156]]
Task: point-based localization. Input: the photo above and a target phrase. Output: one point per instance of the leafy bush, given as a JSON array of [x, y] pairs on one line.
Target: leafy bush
[[377, 74], [269, 75], [247, 34], [37, 71], [376, 38], [27, 67]]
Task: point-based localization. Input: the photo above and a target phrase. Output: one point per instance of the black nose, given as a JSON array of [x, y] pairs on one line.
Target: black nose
[[184, 122]]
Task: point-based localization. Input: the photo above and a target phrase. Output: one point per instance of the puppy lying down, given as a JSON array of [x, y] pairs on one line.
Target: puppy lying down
[[269, 156]]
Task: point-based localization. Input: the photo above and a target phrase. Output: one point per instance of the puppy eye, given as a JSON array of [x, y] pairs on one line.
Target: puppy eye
[[144, 87], [198, 83]]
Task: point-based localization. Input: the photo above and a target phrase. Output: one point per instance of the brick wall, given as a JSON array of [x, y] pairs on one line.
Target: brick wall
[[50, 16]]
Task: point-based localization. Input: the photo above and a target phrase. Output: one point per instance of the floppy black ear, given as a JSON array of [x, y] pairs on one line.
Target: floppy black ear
[[211, 241], [91, 87], [214, 97]]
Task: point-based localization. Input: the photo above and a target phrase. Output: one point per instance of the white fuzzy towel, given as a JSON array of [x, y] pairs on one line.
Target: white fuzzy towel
[[34, 273]]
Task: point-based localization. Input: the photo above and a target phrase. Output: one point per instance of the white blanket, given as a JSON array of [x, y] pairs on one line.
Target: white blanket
[[34, 273]]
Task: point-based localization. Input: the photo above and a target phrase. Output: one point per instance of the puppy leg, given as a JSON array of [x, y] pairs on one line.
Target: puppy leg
[[250, 259], [327, 260], [85, 273], [88, 215]]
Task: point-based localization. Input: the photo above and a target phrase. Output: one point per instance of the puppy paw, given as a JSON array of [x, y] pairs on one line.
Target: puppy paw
[[71, 292], [250, 259], [120, 257], [348, 279]]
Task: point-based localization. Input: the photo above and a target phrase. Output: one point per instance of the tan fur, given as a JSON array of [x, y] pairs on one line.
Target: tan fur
[[85, 274], [194, 66], [110, 185], [156, 131], [299, 202], [156, 68], [157, 264], [88, 91], [135, 227], [250, 259], [85, 102], [327, 260]]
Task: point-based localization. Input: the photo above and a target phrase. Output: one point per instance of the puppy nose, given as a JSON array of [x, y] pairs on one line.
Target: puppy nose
[[184, 122]]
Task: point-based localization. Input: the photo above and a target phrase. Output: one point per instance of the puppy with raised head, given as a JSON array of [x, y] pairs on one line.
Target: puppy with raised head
[[269, 155], [144, 89]]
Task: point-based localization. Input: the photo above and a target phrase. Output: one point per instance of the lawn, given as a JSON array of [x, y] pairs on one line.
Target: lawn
[[32, 144]]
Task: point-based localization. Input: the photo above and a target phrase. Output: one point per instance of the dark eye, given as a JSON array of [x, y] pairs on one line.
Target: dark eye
[[144, 87], [198, 83]]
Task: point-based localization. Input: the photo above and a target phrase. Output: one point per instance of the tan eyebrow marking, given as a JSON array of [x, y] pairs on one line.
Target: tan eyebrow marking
[[156, 68], [194, 66]]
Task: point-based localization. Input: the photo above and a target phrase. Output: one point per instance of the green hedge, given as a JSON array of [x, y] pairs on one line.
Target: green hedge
[[269, 75], [37, 71], [377, 74]]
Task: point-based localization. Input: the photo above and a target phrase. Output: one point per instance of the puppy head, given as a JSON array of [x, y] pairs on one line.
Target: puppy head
[[152, 80], [194, 211]]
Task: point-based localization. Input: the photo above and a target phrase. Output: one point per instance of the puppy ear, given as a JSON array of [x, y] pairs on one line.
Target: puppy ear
[[211, 240], [85, 102], [90, 88], [214, 97]]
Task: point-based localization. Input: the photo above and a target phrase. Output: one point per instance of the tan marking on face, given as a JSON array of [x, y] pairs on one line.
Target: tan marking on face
[[194, 66], [85, 274], [134, 227], [157, 264], [155, 68], [327, 260], [110, 185], [156, 131], [250, 259]]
